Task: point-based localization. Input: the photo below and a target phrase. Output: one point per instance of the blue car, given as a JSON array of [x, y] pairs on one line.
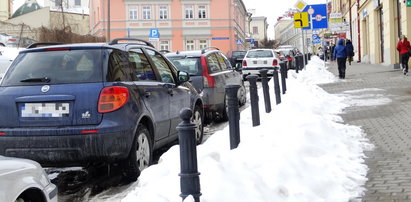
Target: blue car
[[84, 104]]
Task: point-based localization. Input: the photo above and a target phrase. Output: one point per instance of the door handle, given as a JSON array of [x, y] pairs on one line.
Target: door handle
[[147, 94]]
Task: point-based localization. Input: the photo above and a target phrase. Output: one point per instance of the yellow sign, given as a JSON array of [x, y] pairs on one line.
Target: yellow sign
[[301, 20], [300, 5]]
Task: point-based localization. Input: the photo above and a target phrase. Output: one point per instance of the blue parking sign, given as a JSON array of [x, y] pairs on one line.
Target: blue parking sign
[[154, 33]]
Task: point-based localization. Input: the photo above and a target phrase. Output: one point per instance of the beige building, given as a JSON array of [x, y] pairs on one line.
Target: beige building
[[6, 8], [258, 28], [375, 27], [79, 23]]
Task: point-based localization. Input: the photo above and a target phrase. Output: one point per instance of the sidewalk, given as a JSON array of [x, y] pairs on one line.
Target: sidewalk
[[387, 127]]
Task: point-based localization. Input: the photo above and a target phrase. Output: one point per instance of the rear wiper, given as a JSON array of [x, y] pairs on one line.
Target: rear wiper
[[41, 79]]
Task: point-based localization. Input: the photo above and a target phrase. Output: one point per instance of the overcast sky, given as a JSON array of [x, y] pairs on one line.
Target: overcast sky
[[275, 8]]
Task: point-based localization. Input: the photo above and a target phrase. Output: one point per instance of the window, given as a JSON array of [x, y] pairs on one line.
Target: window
[[146, 12], [255, 30], [119, 67], [163, 12], [164, 45], [203, 44], [189, 12], [212, 62], [162, 66], [142, 68], [190, 45], [222, 61], [201, 12], [132, 11], [77, 2]]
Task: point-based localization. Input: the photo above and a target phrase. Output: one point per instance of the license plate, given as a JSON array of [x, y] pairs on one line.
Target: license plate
[[45, 110]]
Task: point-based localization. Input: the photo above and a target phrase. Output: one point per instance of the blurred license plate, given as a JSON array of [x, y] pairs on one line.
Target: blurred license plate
[[45, 110]]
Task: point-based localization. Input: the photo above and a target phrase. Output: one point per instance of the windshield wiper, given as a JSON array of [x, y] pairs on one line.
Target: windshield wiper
[[40, 79]]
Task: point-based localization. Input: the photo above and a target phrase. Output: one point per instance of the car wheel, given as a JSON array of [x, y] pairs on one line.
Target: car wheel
[[224, 111], [242, 95], [140, 156], [198, 119]]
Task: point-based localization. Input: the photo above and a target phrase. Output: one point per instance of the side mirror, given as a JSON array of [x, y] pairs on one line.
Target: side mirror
[[183, 77]]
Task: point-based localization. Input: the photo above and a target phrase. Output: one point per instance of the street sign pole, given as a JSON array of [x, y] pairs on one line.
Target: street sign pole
[[302, 34]]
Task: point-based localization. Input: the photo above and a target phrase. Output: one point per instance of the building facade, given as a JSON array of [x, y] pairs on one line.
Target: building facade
[[375, 27], [258, 28], [181, 24], [6, 7]]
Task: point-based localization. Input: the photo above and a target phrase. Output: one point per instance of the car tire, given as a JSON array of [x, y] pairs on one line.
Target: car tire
[[198, 119], [242, 95], [140, 156]]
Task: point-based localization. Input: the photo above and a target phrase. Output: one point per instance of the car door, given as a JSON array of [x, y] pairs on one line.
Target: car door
[[179, 96], [156, 97]]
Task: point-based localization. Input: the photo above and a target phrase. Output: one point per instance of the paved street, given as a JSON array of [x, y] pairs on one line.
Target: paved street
[[387, 127]]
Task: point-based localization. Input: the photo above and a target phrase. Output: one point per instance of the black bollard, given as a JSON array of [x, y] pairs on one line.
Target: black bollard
[[306, 59], [283, 72], [299, 60], [255, 114], [189, 175], [276, 86], [233, 115], [266, 90]]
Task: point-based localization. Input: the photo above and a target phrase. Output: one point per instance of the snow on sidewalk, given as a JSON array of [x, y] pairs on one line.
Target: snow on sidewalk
[[301, 152]]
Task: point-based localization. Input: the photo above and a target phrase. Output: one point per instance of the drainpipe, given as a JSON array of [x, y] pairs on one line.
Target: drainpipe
[[359, 31], [350, 13], [9, 10]]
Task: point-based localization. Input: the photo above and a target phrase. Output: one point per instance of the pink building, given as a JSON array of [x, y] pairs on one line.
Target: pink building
[[182, 24]]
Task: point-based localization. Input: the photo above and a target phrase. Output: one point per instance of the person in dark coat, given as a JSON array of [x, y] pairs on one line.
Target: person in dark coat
[[404, 47], [340, 52], [350, 51]]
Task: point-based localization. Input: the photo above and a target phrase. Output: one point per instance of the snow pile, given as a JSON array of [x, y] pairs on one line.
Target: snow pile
[[300, 152]]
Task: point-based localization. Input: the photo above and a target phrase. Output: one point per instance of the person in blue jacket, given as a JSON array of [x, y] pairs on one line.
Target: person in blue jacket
[[340, 52]]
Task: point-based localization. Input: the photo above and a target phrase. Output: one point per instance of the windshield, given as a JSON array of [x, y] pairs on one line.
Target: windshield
[[55, 67], [260, 54], [189, 65]]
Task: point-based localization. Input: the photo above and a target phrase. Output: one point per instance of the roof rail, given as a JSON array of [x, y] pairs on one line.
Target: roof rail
[[206, 48], [35, 45], [115, 41]]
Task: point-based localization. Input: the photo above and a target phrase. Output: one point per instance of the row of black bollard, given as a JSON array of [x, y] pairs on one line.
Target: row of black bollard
[[189, 175]]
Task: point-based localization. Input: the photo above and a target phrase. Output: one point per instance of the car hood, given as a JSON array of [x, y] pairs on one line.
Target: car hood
[[12, 165]]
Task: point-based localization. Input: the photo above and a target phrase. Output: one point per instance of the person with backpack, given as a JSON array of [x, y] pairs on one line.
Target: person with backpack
[[340, 53], [404, 48], [350, 51]]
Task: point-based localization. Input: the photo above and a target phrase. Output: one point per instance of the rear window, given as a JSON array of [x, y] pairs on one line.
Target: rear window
[[260, 54], [239, 53], [55, 67], [190, 65]]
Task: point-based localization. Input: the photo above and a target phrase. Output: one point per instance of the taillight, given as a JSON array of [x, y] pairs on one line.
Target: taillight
[[112, 98], [209, 81], [289, 58], [244, 63], [275, 62], [2, 133]]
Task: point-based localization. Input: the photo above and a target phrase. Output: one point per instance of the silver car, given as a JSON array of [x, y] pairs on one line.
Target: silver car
[[23, 180]]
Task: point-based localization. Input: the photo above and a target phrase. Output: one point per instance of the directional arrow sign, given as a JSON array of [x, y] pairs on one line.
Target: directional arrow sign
[[301, 20]]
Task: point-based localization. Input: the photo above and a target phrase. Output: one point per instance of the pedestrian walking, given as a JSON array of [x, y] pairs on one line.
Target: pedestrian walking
[[340, 52], [404, 48], [350, 51]]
